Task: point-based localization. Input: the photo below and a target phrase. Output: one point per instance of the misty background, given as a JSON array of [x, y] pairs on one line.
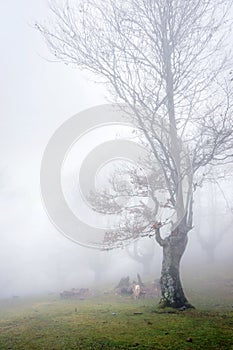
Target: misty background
[[37, 96]]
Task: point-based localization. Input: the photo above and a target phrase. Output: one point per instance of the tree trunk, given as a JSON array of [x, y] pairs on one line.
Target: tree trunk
[[210, 254], [172, 294], [146, 268]]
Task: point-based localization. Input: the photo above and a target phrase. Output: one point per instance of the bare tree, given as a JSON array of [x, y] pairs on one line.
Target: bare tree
[[214, 212], [99, 263], [169, 61], [142, 254]]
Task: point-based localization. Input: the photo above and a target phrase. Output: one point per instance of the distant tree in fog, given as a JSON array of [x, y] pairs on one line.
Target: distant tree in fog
[[169, 62], [99, 263], [143, 254], [213, 221]]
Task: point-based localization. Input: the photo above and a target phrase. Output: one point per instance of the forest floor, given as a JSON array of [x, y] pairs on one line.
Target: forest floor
[[108, 321]]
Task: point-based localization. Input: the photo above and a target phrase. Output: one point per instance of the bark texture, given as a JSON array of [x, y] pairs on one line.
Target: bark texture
[[172, 294]]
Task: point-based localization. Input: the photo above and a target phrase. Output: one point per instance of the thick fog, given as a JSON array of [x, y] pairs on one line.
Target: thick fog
[[37, 96]]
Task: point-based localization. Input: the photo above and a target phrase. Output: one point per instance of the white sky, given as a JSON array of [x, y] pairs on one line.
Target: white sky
[[36, 98]]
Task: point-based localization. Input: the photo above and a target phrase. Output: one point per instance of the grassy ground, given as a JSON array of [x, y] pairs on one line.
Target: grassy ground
[[111, 322]]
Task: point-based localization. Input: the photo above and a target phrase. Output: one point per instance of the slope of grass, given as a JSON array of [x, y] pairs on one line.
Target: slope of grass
[[112, 322]]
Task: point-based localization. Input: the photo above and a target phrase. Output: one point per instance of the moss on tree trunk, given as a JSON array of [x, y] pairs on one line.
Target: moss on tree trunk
[[172, 294]]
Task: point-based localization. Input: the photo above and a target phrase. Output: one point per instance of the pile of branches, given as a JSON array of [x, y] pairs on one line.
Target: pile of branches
[[126, 287]]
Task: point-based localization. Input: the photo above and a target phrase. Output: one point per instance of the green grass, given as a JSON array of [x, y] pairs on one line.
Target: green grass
[[112, 322]]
